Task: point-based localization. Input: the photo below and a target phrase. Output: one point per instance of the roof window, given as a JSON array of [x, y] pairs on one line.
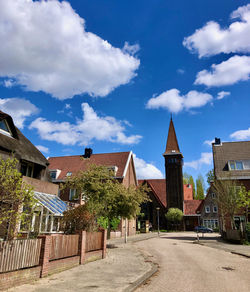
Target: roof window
[[239, 164], [69, 173], [4, 128]]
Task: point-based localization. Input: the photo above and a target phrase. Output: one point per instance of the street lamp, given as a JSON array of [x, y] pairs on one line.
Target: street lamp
[[158, 220]]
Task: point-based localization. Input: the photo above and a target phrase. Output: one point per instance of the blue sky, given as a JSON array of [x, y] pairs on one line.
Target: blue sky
[[107, 75]]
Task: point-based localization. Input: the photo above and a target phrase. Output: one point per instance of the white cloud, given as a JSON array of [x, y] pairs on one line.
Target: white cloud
[[9, 83], [85, 130], [19, 109], [174, 102], [45, 47], [241, 135], [229, 72], [131, 49], [42, 148], [206, 158], [181, 71], [208, 142], [146, 170], [222, 94], [211, 39]]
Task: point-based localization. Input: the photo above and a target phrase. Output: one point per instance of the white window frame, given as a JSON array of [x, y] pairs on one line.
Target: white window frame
[[243, 162], [7, 133], [74, 196], [207, 209]]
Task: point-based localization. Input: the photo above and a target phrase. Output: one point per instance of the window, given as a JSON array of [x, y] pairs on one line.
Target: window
[[207, 209], [53, 174], [213, 195], [27, 169], [239, 165], [73, 194], [211, 223], [69, 173], [4, 128], [215, 209]]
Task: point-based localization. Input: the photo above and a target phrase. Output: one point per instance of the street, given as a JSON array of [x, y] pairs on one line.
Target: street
[[185, 266]]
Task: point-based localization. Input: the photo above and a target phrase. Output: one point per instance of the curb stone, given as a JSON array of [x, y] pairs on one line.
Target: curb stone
[[241, 254], [144, 278]]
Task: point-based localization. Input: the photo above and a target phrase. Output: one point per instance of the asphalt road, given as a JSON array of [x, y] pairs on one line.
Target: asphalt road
[[185, 266]]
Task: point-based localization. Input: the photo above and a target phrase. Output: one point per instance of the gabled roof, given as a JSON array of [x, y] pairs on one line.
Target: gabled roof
[[172, 143], [19, 144], [158, 187], [191, 207], [78, 163], [227, 151]]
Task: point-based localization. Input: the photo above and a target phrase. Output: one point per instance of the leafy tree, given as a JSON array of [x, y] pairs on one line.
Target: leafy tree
[[174, 216], [244, 200], [200, 187], [191, 182], [104, 196], [79, 218], [16, 197], [230, 198], [210, 176]]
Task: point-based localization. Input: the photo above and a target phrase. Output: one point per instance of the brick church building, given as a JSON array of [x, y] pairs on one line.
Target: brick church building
[[171, 192]]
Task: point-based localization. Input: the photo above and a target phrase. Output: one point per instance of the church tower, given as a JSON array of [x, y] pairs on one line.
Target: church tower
[[173, 167]]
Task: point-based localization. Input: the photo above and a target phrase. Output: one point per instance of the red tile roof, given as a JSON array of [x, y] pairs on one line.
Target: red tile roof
[[192, 206], [158, 187], [79, 163]]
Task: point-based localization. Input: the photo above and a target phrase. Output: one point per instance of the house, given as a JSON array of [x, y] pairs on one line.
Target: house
[[209, 210], [232, 163], [34, 169], [120, 162]]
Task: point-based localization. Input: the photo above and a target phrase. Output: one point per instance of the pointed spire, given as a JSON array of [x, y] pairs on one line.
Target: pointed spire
[[172, 143]]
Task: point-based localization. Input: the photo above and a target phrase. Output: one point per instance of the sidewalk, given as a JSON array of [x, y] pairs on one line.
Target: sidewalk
[[124, 269], [217, 242]]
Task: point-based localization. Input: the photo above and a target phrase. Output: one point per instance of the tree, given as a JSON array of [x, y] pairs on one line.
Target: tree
[[105, 197], [16, 197], [244, 200], [210, 176], [191, 182], [230, 198], [174, 215], [200, 188], [79, 218]]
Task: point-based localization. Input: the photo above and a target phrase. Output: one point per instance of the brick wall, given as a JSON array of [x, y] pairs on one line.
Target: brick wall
[[42, 186], [16, 278], [46, 267], [57, 266]]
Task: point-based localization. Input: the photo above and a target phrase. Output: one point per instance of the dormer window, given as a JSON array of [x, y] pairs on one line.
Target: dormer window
[[239, 165], [54, 173], [4, 128]]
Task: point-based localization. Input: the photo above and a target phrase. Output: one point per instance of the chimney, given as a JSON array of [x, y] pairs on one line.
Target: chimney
[[88, 152], [217, 141]]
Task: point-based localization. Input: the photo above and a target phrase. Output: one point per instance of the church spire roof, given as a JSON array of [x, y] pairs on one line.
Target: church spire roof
[[172, 143]]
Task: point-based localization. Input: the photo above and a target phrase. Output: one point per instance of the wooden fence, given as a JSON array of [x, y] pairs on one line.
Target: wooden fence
[[94, 241], [63, 246], [19, 254]]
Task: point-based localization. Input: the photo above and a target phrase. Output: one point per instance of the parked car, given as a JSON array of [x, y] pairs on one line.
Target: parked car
[[203, 229]]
